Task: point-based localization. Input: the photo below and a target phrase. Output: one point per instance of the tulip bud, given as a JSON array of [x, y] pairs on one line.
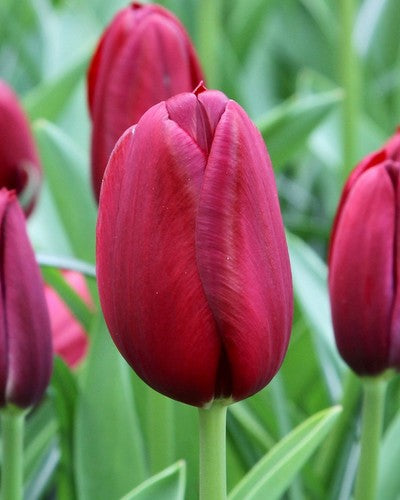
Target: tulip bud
[[25, 338], [364, 264], [19, 163], [192, 262], [144, 57], [70, 340]]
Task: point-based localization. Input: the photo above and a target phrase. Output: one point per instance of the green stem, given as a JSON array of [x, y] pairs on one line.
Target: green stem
[[208, 39], [371, 430], [350, 76], [12, 425], [213, 452]]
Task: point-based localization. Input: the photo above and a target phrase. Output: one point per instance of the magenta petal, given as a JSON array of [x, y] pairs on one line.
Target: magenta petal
[[25, 332], [151, 294], [242, 257], [361, 272]]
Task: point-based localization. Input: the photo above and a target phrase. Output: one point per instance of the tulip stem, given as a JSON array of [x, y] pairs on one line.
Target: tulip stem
[[12, 433], [371, 430], [213, 452]]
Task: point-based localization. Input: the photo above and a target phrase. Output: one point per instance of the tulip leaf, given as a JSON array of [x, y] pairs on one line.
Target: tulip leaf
[[170, 483], [389, 478], [274, 473], [81, 311], [287, 127], [67, 176], [49, 99], [309, 279], [109, 454]]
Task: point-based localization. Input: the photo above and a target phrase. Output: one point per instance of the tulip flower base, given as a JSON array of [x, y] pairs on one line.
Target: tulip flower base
[[212, 429]]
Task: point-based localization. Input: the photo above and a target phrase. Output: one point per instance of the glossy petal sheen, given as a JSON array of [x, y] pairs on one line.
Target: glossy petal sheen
[[144, 57], [364, 264], [19, 164], [25, 337], [192, 263]]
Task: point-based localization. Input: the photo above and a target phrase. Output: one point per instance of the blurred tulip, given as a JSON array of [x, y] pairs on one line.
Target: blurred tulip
[[364, 264], [144, 57], [19, 163], [25, 336], [192, 262], [70, 340]]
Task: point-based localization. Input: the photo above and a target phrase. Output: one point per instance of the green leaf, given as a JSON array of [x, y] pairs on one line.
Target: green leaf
[[389, 478], [49, 99], [274, 473], [170, 483], [67, 175], [310, 286], [287, 127], [109, 454], [78, 307]]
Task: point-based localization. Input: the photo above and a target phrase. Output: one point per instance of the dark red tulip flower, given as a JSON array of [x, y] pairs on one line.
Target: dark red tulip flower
[[364, 264], [192, 262], [70, 340], [145, 56], [25, 337], [19, 163]]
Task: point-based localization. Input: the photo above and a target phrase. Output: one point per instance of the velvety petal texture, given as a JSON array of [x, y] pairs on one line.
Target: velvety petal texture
[[25, 336], [144, 57], [19, 163], [192, 262], [70, 340], [364, 264]]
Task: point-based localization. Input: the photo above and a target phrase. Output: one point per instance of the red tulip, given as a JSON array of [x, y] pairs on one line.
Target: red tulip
[[144, 57], [192, 262], [19, 163], [70, 340], [364, 264], [25, 337]]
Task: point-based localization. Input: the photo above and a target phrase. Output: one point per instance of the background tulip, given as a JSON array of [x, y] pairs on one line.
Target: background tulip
[[19, 163], [70, 340], [144, 57], [25, 337], [364, 264], [192, 261]]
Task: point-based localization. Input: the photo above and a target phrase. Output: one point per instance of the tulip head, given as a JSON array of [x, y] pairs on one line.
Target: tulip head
[[70, 340], [19, 163], [192, 262], [364, 264], [143, 57], [25, 338]]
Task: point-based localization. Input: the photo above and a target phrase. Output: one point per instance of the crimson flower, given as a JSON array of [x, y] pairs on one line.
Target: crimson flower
[[25, 337], [192, 262], [143, 57], [364, 264]]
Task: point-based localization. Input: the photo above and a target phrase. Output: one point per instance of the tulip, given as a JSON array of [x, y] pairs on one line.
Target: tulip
[[192, 262], [364, 264], [144, 57], [25, 337], [70, 340], [19, 163]]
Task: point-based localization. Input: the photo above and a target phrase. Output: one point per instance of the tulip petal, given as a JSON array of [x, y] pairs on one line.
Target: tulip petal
[[361, 272], [151, 294], [242, 256]]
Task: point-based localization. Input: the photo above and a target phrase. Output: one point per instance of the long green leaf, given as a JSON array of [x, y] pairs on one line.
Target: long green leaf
[[168, 484], [275, 472], [109, 454], [287, 127], [389, 478]]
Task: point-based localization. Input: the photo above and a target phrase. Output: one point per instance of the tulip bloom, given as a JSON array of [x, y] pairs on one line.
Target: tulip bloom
[[364, 264], [144, 57], [19, 163], [25, 337], [70, 340], [192, 262]]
